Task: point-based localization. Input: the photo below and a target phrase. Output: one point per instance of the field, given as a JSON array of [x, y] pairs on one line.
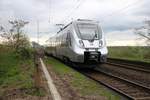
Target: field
[[130, 53]]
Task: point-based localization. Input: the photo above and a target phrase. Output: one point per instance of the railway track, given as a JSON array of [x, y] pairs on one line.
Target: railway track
[[127, 79], [127, 88], [139, 66], [129, 67], [128, 71]]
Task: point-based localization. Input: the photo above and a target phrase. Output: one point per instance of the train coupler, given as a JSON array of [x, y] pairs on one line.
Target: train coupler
[[89, 56]]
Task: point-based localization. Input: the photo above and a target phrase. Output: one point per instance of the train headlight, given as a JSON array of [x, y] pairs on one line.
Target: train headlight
[[81, 43], [100, 43]]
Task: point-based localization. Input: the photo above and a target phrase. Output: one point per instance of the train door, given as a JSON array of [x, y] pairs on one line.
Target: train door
[[69, 45], [68, 39]]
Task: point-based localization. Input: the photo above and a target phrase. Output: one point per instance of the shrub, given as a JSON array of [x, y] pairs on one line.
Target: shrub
[[23, 53]]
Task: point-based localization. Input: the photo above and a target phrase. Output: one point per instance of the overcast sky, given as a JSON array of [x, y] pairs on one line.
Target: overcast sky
[[117, 17]]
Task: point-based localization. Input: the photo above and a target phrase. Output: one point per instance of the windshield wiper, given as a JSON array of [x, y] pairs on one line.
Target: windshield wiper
[[95, 35]]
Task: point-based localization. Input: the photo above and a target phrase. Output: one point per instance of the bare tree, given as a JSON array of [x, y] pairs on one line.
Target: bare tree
[[17, 26], [15, 36], [146, 34], [7, 35]]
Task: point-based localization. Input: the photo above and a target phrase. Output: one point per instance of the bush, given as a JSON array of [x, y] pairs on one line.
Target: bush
[[24, 53]]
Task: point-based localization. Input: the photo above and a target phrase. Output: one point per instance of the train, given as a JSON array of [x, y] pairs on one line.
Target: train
[[80, 41]]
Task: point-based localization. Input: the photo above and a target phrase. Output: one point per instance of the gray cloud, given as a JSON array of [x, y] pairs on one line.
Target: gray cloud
[[106, 11], [144, 9]]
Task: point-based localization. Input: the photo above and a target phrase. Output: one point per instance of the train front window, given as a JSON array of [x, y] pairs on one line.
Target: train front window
[[88, 31]]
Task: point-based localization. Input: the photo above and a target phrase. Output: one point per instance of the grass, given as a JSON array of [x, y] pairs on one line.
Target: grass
[[130, 53], [15, 73], [78, 81]]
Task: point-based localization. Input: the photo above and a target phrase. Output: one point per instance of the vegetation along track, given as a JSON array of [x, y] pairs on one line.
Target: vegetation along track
[[128, 88]]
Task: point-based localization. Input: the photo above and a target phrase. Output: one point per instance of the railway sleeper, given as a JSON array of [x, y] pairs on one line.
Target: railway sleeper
[[131, 90], [139, 95], [143, 98], [119, 85]]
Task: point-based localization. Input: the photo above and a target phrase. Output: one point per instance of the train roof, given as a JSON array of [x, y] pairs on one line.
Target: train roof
[[76, 21], [86, 20], [64, 27]]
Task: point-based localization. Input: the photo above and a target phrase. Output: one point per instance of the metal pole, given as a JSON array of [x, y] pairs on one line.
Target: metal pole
[[49, 11], [37, 31]]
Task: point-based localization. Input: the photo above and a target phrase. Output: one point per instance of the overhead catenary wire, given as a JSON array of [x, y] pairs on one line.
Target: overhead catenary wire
[[80, 2], [71, 10], [104, 17], [119, 10], [75, 2]]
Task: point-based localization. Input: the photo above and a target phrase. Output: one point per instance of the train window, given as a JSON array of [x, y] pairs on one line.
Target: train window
[[57, 41], [68, 39], [61, 40], [64, 39], [89, 31]]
